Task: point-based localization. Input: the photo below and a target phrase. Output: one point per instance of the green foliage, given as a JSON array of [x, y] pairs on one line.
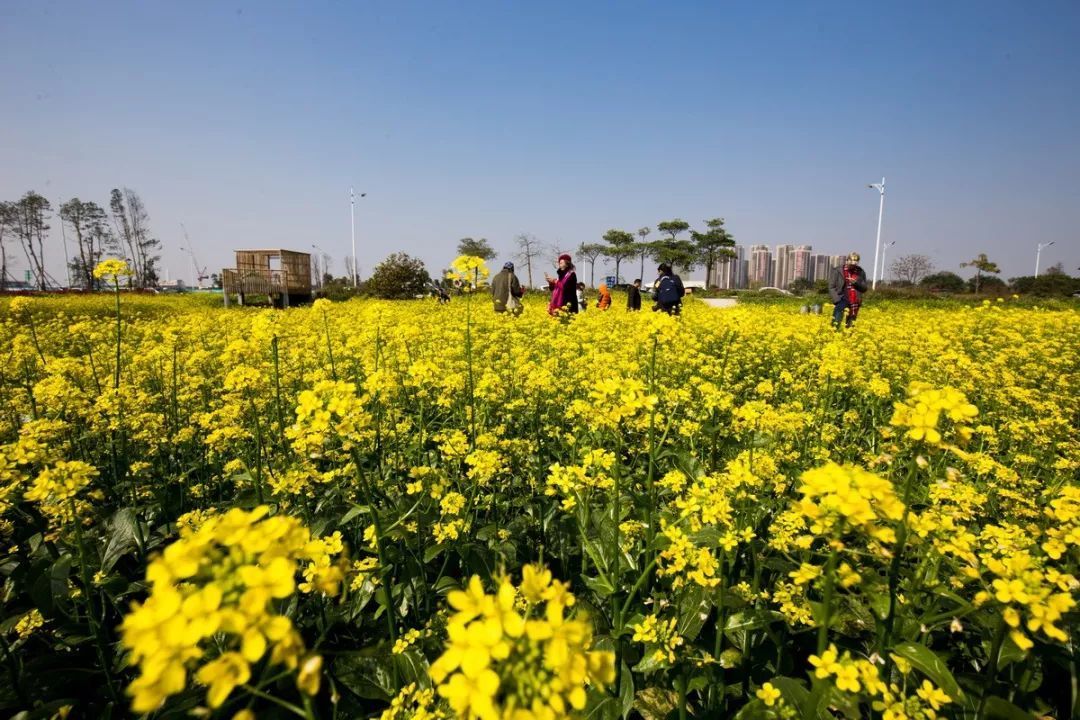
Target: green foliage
[[621, 246], [1048, 285], [943, 281], [477, 248], [982, 264], [398, 277]]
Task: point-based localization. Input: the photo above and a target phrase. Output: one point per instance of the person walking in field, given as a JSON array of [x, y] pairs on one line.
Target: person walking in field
[[506, 290], [633, 297], [669, 291], [563, 287], [603, 302], [582, 303], [846, 286]]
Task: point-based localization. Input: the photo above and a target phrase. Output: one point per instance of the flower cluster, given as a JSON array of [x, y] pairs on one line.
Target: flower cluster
[[925, 408], [469, 271], [516, 654], [861, 678], [215, 592], [836, 498], [112, 270]]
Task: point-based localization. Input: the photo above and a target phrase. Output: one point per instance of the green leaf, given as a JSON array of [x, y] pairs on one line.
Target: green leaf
[[598, 585], [695, 606], [354, 512], [751, 620], [433, 552], [931, 665], [655, 703], [122, 537], [1002, 709]]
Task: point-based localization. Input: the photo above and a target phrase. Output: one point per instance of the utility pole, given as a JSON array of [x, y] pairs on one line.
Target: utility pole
[[880, 187], [1038, 252]]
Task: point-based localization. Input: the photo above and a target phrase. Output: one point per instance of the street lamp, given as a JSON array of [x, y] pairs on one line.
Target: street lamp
[[1038, 252], [885, 247], [352, 224], [880, 187]]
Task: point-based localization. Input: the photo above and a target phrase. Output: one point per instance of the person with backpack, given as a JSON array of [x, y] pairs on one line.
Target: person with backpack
[[506, 290], [669, 291]]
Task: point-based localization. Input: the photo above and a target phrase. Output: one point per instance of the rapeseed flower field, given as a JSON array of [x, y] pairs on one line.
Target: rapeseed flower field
[[411, 510]]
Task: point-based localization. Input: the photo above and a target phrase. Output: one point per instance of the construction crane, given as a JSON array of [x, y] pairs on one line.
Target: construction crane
[[200, 272]]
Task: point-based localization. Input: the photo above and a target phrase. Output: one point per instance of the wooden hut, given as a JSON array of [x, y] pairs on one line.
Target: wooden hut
[[282, 277]]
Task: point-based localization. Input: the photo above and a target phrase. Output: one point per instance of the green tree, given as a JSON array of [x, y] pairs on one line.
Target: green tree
[[943, 281], [1046, 285], [31, 227], [620, 247], [712, 245], [477, 248], [589, 252], [132, 223], [982, 264], [672, 250], [398, 277], [89, 226]]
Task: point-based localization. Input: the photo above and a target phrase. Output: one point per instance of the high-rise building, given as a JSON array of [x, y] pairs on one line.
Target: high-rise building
[[785, 266], [760, 266], [729, 272], [801, 265], [821, 268]]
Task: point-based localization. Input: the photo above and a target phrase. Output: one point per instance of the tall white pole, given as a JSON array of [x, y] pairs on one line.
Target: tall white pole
[[877, 245], [1038, 251], [885, 249], [352, 224]]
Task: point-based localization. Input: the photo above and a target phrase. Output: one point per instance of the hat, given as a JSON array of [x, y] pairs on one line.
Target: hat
[[508, 266], [566, 257], [853, 257]]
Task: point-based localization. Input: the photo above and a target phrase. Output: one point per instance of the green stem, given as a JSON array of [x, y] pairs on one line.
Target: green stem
[[826, 601], [991, 668], [116, 371], [894, 567], [91, 614], [296, 710], [13, 669]]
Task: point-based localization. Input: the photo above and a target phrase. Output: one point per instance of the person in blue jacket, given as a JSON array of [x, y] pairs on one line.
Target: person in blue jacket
[[669, 291]]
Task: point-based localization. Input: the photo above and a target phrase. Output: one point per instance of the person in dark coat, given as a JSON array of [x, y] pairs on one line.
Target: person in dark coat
[[563, 287], [669, 291], [633, 297], [846, 286], [506, 290]]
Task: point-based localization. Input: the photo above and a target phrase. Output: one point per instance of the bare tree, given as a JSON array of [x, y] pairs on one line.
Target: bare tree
[[911, 268], [92, 237], [643, 248], [590, 252], [31, 228], [8, 215], [132, 223], [528, 248]]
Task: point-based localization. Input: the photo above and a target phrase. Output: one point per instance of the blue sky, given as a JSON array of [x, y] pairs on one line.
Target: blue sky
[[248, 122]]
